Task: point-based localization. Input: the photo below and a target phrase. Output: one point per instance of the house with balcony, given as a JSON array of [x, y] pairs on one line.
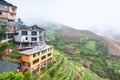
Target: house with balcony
[[30, 37], [37, 58], [7, 17], [7, 11]]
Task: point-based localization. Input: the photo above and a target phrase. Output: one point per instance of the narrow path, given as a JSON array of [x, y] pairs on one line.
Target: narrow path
[[4, 41]]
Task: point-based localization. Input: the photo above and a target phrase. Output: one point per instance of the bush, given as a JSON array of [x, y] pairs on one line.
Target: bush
[[15, 52], [3, 46], [13, 56], [28, 76], [1, 54], [11, 76]]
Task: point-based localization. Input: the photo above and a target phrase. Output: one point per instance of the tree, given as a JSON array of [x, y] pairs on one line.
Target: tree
[[81, 44], [83, 41], [20, 23], [2, 31], [52, 37]]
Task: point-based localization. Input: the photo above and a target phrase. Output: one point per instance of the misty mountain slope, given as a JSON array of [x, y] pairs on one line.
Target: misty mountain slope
[[71, 33], [114, 47]]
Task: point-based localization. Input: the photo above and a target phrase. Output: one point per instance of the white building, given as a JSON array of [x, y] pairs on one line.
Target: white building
[[30, 37]]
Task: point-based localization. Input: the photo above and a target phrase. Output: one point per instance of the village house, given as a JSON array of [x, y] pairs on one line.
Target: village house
[[35, 52], [30, 37], [36, 58], [7, 11], [7, 17]]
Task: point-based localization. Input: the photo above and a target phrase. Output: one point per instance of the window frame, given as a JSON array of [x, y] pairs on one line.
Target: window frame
[[44, 50], [34, 33], [49, 54], [25, 32], [43, 57], [33, 38], [36, 61], [0, 13], [36, 54]]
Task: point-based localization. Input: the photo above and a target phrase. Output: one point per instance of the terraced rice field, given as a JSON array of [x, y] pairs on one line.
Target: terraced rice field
[[68, 70]]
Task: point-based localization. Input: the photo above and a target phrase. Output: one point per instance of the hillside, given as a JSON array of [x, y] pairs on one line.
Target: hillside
[[68, 70], [73, 35]]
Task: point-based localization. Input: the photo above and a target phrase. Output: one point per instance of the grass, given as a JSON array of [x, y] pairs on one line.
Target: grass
[[13, 56]]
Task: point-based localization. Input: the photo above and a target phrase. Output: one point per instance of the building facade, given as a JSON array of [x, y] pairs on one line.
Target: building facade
[[30, 37], [7, 11], [7, 17], [11, 31], [36, 58]]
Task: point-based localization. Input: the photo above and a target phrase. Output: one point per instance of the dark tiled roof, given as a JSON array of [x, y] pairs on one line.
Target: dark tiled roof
[[34, 27], [3, 2], [7, 66]]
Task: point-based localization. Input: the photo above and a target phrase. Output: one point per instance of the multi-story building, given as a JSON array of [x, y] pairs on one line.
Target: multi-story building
[[7, 11], [11, 30], [7, 16], [36, 58], [30, 37]]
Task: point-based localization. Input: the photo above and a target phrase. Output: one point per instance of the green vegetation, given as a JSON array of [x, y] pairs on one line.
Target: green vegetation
[[16, 76], [84, 59], [14, 56], [20, 23], [68, 70], [87, 50]]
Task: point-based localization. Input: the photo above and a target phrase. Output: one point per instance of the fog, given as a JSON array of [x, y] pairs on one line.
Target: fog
[[100, 16]]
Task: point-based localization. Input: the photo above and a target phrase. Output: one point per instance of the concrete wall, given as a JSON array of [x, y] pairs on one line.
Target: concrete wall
[[8, 12], [4, 8], [22, 38]]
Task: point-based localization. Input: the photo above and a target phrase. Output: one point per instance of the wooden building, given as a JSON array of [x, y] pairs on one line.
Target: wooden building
[[36, 58]]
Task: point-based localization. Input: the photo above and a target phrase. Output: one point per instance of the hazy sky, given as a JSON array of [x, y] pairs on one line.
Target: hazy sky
[[81, 14]]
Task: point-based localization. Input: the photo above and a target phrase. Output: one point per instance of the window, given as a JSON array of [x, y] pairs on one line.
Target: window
[[24, 33], [36, 54], [43, 57], [35, 61], [49, 49], [40, 32], [40, 38], [44, 51], [0, 13], [33, 33], [49, 54], [34, 39]]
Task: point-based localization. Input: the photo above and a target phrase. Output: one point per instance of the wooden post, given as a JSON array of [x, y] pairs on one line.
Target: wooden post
[[46, 64], [39, 70]]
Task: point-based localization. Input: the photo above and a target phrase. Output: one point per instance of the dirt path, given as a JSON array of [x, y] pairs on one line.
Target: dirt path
[[6, 40]]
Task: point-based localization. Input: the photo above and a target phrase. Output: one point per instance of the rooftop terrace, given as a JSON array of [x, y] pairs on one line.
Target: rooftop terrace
[[35, 50]]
